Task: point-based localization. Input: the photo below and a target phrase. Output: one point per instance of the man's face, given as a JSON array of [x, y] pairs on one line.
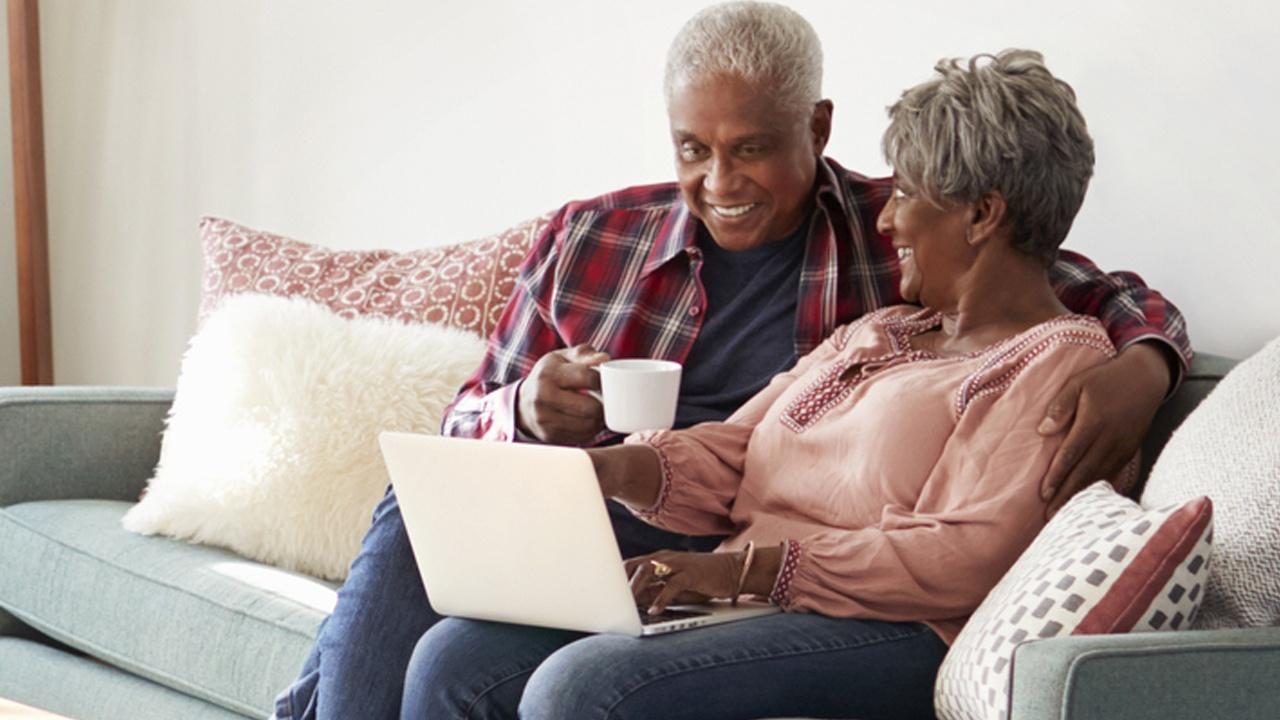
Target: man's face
[[745, 166]]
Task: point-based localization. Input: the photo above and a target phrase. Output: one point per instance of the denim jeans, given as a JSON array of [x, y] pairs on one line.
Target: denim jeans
[[356, 667], [778, 665]]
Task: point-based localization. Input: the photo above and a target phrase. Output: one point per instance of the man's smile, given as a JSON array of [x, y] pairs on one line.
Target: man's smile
[[732, 211]]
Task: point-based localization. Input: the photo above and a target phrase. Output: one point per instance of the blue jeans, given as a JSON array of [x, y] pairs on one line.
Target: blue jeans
[[778, 665], [356, 667]]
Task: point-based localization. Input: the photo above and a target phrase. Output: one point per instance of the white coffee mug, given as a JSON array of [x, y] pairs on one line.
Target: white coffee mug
[[639, 394]]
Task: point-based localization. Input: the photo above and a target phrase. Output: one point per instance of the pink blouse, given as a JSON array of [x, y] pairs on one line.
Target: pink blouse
[[903, 484]]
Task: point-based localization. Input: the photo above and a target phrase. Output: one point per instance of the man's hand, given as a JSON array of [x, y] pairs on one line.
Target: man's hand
[[552, 405], [1108, 409]]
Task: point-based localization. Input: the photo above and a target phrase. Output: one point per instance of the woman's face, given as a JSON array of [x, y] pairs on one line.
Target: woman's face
[[932, 252]]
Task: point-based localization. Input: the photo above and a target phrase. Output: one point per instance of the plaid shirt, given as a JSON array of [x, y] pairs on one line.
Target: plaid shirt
[[620, 272]]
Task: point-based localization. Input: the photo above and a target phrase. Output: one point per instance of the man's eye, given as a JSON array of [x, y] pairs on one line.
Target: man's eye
[[691, 152], [750, 150]]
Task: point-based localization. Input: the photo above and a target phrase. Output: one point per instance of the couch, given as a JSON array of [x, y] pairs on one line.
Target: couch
[[98, 623]]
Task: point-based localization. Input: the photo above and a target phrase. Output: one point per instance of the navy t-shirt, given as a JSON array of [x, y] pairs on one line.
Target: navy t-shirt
[[748, 325]]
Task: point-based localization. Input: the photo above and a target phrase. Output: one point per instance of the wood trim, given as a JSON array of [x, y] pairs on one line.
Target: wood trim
[[30, 209]]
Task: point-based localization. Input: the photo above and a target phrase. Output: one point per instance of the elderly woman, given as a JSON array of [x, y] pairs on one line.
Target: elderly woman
[[876, 491]]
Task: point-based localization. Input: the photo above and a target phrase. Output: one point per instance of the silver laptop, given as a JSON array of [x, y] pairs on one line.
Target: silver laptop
[[519, 533]]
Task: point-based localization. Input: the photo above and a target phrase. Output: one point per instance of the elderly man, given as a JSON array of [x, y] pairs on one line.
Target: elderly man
[[748, 261]]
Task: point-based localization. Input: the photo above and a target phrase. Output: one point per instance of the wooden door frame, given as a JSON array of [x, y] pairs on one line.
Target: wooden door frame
[[30, 208]]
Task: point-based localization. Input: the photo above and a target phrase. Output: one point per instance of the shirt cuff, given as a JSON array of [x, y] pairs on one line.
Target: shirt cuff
[[1173, 355], [781, 594], [651, 513], [498, 419]]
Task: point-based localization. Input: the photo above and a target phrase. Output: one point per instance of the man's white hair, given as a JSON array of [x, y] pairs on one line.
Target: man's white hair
[[768, 45]]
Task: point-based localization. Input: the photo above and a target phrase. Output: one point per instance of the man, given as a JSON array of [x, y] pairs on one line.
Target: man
[[758, 251]]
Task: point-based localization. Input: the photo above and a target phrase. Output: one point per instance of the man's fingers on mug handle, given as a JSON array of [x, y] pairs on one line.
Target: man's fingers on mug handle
[[586, 354], [574, 403]]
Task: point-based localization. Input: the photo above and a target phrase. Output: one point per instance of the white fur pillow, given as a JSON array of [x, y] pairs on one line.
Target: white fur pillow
[[271, 447]]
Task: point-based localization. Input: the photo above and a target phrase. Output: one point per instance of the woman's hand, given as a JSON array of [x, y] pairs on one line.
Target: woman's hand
[[670, 577]]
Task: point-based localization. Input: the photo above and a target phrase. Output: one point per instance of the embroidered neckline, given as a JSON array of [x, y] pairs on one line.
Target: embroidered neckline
[[901, 330], [830, 388]]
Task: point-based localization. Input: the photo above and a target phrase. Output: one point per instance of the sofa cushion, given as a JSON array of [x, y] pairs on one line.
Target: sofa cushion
[[39, 675], [196, 619]]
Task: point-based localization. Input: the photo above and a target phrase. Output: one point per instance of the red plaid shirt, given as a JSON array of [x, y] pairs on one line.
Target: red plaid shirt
[[620, 272]]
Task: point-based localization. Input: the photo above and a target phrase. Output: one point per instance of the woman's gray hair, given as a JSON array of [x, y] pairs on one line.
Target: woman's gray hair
[[996, 122], [768, 45]]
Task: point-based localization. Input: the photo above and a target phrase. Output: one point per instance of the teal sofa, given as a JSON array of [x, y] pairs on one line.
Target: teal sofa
[[97, 623]]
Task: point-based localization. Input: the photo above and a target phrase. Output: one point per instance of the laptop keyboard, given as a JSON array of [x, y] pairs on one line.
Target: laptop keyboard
[[667, 615]]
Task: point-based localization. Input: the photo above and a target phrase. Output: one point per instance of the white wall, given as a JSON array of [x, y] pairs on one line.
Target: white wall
[[10, 357], [406, 124]]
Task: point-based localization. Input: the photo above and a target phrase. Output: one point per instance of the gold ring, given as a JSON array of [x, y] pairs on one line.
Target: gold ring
[[660, 569]]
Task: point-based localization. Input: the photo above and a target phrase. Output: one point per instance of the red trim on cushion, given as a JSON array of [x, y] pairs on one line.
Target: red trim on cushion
[[1131, 595]]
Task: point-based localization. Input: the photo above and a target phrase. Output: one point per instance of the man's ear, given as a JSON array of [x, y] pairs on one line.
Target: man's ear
[[989, 215], [820, 125]]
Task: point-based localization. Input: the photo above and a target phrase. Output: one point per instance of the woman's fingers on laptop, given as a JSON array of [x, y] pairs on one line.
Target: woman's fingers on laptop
[[644, 585], [667, 594], [668, 577]]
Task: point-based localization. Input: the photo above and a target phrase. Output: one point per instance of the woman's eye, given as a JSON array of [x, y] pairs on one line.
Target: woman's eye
[[900, 194]]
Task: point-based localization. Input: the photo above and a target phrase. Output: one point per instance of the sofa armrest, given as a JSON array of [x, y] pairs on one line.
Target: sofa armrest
[[79, 442], [1141, 676]]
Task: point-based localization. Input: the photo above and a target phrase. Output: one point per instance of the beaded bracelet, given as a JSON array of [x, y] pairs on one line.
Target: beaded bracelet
[[746, 567]]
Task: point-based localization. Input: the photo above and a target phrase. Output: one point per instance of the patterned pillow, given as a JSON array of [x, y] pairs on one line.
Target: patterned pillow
[[464, 285], [1101, 565]]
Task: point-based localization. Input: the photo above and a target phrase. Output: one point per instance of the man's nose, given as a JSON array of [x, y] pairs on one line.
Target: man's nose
[[721, 176]]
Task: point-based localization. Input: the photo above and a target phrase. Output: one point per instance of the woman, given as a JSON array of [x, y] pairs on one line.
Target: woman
[[875, 492]]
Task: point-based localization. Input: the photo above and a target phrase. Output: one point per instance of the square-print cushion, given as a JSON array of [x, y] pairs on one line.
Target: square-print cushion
[[1102, 565], [465, 285]]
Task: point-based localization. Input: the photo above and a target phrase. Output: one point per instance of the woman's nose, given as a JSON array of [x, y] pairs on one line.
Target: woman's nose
[[884, 221]]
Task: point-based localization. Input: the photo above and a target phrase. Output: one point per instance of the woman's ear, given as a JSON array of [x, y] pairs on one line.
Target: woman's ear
[[989, 214]]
